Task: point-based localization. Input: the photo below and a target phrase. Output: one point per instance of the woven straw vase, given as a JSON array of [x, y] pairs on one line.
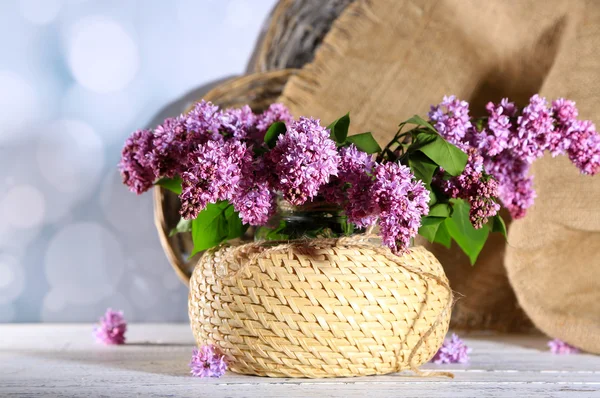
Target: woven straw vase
[[320, 308]]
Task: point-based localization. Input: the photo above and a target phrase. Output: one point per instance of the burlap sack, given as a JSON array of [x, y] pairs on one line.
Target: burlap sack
[[384, 60], [553, 258]]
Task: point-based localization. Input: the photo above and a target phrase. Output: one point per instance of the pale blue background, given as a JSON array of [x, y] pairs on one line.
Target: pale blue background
[[76, 77]]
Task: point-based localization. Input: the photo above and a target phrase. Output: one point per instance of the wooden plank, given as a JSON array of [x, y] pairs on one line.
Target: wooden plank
[[57, 360]]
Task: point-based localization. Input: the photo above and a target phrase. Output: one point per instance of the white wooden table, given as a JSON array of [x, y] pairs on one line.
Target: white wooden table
[[63, 360]]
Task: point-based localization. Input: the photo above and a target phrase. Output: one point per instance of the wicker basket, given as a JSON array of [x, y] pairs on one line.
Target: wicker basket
[[321, 308], [257, 90], [293, 32]]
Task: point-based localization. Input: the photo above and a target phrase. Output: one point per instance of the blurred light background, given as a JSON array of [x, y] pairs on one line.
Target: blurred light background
[[76, 78]]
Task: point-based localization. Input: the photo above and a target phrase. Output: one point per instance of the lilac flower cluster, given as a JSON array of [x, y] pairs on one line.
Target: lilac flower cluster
[[166, 151], [476, 188], [212, 151], [452, 351], [451, 119], [509, 142], [560, 347], [401, 202], [214, 174], [388, 192], [304, 159], [111, 329], [207, 362]]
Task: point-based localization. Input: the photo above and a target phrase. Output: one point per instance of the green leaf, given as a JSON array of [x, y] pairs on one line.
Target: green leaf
[[433, 197], [497, 224], [419, 121], [459, 226], [443, 236], [422, 167], [210, 227], [235, 226], [182, 226], [440, 210], [278, 233], [446, 155], [429, 227], [274, 131], [339, 129], [420, 138], [172, 184], [365, 142]]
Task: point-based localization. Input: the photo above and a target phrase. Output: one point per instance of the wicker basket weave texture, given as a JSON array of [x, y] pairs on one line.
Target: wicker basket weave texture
[[293, 32], [326, 311]]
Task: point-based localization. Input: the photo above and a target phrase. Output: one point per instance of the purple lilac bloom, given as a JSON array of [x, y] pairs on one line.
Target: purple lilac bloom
[[452, 351], [214, 174], [171, 148], [207, 362], [354, 163], [565, 114], [204, 122], [560, 347], [515, 186], [135, 167], [451, 119], [360, 207], [499, 126], [356, 168], [584, 149], [564, 111], [239, 122], [352, 188], [255, 199], [535, 128], [112, 328], [479, 190], [401, 202], [304, 159], [275, 113]]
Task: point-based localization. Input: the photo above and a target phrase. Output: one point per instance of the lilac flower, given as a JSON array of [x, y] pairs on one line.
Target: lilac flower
[[499, 126], [275, 113], [351, 189], [214, 174], [207, 362], [172, 145], [360, 207], [355, 168], [401, 201], [255, 198], [482, 199], [535, 128], [304, 159], [204, 122], [354, 163], [239, 122], [560, 347], [476, 188], [452, 351], [564, 110], [135, 167], [112, 328], [451, 119], [515, 186], [584, 148]]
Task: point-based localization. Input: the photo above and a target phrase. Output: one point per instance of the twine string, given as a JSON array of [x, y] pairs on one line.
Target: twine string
[[250, 253]]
